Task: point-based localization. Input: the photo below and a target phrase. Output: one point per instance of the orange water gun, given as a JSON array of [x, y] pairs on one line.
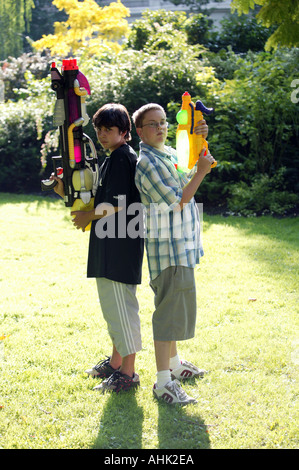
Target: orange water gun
[[188, 144]]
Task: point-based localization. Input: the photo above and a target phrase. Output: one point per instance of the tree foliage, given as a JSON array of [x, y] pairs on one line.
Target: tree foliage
[[88, 26], [44, 16], [158, 29], [282, 14], [242, 33], [15, 16], [253, 132]]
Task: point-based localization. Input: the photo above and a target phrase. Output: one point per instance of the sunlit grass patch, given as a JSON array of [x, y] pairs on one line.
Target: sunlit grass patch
[[52, 329]]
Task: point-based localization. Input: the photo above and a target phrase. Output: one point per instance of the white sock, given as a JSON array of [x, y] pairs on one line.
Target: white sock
[[174, 362], [163, 377]]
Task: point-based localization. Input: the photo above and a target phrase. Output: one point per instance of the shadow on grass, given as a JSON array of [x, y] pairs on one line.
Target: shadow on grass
[[48, 197], [179, 428], [284, 230], [274, 239], [121, 423]]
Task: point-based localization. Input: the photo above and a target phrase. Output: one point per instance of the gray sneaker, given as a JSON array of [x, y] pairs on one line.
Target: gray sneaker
[[102, 370], [173, 393], [118, 382]]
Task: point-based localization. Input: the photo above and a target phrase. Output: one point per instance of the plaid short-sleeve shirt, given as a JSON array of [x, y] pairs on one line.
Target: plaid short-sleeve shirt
[[172, 235]]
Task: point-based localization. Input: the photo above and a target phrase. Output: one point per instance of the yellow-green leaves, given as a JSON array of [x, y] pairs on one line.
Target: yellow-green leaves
[[284, 15], [88, 26]]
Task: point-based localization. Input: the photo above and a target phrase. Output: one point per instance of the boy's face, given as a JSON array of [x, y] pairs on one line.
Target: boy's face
[[153, 131], [110, 138]]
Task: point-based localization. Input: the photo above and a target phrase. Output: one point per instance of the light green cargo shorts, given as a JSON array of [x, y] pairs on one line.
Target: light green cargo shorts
[[174, 317]]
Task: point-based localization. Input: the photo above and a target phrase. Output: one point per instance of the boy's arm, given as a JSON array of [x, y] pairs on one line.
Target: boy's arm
[[157, 183], [203, 168], [83, 218], [120, 184]]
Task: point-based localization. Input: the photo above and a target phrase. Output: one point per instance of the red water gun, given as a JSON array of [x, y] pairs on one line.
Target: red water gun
[[77, 165]]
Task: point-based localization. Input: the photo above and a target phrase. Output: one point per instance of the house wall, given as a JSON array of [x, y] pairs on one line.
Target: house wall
[[220, 9]]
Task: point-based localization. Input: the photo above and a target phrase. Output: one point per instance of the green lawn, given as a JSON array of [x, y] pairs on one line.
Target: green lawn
[[247, 338]]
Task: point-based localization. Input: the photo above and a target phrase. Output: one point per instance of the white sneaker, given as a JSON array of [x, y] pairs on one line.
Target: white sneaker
[[173, 393], [186, 371]]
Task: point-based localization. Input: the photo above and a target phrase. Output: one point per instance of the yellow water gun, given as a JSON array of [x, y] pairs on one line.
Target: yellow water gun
[[188, 144]]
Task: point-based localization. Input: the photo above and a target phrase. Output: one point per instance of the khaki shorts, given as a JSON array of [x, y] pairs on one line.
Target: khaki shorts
[[175, 302]]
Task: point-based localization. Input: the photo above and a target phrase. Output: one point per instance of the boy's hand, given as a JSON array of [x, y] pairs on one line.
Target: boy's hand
[[203, 168], [81, 219], [204, 162], [59, 188], [202, 128]]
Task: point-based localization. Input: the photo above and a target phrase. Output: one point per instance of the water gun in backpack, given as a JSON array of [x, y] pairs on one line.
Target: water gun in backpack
[[77, 165], [189, 145]]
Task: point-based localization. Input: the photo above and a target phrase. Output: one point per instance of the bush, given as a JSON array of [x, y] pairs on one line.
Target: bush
[[198, 29], [225, 63], [139, 77], [132, 77], [23, 125], [156, 29], [13, 70], [19, 154], [254, 130], [264, 195], [241, 33]]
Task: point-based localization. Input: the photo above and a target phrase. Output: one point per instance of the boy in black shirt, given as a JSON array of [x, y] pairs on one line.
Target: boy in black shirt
[[115, 257]]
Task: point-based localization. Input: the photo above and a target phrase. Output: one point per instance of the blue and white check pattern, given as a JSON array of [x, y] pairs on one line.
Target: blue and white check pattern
[[172, 236]]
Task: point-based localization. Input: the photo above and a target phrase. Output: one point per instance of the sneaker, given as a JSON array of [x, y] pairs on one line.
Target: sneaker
[[101, 370], [186, 371], [117, 382], [173, 393]]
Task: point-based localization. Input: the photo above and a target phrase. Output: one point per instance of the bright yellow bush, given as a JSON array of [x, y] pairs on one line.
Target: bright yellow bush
[[88, 26]]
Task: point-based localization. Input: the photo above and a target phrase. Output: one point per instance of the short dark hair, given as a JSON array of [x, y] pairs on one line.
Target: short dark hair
[[113, 114]]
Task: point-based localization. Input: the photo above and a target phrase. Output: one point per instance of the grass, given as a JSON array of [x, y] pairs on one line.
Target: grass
[[247, 339]]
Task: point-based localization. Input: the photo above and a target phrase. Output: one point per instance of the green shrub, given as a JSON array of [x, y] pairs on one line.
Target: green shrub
[[23, 125], [156, 29], [264, 195], [242, 33], [13, 71], [225, 63], [19, 155], [254, 130], [135, 78], [198, 29]]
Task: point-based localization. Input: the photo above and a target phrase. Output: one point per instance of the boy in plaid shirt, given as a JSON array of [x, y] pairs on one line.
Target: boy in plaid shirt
[[173, 246]]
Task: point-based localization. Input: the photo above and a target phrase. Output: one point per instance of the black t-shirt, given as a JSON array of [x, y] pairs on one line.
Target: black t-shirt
[[113, 252]]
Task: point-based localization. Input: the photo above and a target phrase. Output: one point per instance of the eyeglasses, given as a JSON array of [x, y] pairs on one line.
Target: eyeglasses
[[156, 125]]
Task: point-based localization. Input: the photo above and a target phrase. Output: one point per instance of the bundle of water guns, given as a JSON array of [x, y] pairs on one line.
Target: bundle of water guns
[[77, 165], [189, 145]]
